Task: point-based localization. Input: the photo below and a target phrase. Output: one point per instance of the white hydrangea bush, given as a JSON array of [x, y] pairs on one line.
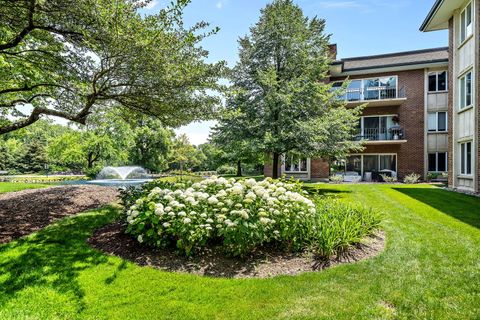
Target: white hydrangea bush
[[240, 215]]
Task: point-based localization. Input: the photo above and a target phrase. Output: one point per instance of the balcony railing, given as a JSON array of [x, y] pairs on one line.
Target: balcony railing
[[373, 94], [381, 134]]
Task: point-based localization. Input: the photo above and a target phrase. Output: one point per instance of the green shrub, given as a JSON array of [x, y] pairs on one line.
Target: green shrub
[[338, 225], [388, 179], [336, 178], [241, 216], [412, 178], [226, 169]]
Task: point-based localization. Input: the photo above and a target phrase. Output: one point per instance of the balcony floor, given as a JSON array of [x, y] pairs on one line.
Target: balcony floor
[[382, 142], [378, 103]]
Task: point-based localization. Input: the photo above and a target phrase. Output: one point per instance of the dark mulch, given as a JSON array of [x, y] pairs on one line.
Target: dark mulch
[[268, 262], [27, 211]]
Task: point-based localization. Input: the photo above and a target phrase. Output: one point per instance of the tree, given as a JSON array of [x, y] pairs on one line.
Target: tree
[[231, 136], [184, 155], [67, 58], [152, 144], [214, 156], [281, 95]]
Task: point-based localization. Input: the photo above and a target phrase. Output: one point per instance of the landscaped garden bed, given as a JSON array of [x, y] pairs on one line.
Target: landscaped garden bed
[[27, 211], [244, 228]]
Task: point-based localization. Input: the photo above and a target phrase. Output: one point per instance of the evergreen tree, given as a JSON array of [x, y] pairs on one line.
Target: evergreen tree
[[281, 97]]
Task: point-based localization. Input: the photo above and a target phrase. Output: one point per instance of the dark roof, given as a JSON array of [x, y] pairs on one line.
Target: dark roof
[[431, 14], [408, 58]]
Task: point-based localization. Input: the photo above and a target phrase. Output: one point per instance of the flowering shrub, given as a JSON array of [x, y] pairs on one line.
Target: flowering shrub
[[240, 214], [412, 178]]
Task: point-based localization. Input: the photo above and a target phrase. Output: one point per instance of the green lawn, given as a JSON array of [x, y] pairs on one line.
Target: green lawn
[[429, 270], [14, 186]]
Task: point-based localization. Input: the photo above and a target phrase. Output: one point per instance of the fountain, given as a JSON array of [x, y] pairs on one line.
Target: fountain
[[121, 176]]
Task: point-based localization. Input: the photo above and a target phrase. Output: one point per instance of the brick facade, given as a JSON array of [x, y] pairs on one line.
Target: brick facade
[[411, 154], [320, 169]]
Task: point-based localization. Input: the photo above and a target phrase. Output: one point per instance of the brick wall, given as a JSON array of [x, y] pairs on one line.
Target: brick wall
[[410, 155], [319, 169]]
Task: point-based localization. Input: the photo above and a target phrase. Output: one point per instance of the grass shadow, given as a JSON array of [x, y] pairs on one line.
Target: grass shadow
[[52, 257], [460, 206]]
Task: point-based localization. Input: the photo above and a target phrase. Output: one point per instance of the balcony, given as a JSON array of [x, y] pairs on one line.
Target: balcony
[[375, 96], [373, 136]]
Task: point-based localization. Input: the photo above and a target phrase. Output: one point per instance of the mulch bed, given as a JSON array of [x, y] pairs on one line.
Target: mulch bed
[[265, 263], [27, 211]]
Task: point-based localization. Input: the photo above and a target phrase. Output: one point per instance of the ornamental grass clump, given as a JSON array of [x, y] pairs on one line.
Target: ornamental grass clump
[[240, 215], [338, 225]]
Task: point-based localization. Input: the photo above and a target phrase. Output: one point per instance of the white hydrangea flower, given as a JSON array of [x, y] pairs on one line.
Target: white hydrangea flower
[[166, 224], [212, 200], [187, 220]]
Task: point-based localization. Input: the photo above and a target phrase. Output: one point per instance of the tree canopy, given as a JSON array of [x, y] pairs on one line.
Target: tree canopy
[[68, 58], [281, 99]]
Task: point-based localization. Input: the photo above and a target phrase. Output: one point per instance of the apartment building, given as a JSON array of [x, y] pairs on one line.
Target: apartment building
[[461, 19], [404, 126]]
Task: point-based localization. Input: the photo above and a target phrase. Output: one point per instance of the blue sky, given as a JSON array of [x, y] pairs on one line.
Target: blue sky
[[359, 27]]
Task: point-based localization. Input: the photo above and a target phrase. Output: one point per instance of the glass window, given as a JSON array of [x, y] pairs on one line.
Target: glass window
[[370, 163], [442, 161], [432, 162], [432, 122], [388, 162], [442, 81], [354, 164], [437, 162], [466, 23], [466, 90], [432, 82], [437, 81], [437, 121], [442, 121], [466, 158], [294, 163], [354, 91]]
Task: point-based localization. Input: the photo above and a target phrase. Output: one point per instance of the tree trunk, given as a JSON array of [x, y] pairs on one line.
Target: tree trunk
[[90, 161], [239, 168], [276, 158]]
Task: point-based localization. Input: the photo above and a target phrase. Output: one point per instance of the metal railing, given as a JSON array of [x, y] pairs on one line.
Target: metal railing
[[373, 93], [381, 134]]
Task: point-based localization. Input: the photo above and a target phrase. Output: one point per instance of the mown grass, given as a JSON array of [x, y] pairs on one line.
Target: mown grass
[[14, 186], [429, 270]]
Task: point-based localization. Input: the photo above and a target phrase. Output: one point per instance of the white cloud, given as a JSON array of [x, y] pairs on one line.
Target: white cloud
[[221, 3], [197, 132], [152, 4]]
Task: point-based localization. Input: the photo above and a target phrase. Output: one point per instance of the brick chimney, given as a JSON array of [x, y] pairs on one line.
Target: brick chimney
[[333, 51]]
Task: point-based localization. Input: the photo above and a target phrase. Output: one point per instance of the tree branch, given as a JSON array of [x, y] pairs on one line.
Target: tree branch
[[37, 112]]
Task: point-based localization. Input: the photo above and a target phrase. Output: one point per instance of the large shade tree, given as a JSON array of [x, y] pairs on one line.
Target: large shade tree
[[67, 58], [281, 96]]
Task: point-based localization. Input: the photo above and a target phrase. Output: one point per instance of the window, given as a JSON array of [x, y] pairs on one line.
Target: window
[[437, 121], [466, 90], [437, 162], [466, 23], [295, 163], [466, 158], [368, 89], [437, 81]]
